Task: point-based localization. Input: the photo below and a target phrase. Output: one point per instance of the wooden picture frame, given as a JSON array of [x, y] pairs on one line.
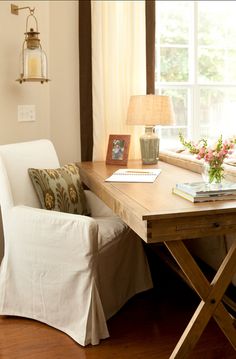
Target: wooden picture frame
[[118, 150]]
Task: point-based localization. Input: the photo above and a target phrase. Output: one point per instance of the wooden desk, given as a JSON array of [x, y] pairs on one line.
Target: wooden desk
[[157, 215]]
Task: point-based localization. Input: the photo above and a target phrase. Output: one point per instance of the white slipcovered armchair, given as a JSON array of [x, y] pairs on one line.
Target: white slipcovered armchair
[[69, 271]]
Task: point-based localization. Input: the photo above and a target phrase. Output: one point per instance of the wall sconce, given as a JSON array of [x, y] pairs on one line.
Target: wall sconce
[[33, 60]]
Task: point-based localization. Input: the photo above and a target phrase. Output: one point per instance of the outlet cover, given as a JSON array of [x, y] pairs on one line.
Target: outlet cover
[[26, 113]]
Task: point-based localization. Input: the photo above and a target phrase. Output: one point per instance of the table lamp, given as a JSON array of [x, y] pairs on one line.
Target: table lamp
[[150, 110]]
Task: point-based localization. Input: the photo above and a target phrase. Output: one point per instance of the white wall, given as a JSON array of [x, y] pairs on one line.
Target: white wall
[[57, 102], [12, 94], [64, 64]]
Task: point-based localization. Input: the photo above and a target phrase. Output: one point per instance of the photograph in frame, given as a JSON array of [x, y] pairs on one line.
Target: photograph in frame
[[118, 150]]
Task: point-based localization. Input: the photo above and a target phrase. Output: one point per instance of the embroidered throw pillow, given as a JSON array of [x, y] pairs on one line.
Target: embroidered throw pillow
[[60, 189]]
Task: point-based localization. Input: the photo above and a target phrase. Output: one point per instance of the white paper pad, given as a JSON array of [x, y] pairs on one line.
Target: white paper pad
[[134, 175]]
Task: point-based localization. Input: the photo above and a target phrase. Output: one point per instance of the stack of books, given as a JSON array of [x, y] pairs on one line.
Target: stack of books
[[203, 192]]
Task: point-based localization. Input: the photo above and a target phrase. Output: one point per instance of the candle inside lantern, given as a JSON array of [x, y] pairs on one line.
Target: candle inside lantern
[[34, 67]]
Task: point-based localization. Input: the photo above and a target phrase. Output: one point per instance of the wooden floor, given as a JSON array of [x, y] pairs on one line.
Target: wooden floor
[[147, 327]]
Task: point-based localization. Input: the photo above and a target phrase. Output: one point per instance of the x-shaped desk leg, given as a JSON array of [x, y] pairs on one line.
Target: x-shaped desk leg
[[211, 294]]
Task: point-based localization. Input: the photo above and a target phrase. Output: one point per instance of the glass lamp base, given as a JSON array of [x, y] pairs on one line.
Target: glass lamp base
[[149, 143]]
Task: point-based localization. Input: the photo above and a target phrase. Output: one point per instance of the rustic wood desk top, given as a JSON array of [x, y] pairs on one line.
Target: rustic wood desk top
[[157, 215], [151, 209]]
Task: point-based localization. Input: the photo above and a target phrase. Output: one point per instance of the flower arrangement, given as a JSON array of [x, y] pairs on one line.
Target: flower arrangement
[[213, 156]]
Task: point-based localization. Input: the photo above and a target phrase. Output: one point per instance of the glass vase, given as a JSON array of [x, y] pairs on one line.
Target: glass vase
[[213, 175]]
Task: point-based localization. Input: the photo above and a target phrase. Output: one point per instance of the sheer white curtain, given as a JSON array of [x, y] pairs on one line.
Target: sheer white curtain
[[119, 70]]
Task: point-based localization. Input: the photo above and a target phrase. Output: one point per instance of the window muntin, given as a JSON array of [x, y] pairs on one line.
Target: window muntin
[[195, 64]]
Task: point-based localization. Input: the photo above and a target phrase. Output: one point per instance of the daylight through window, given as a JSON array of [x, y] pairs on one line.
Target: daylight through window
[[196, 66]]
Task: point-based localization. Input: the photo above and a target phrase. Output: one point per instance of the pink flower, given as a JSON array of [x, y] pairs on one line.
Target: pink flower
[[209, 156], [201, 153], [222, 154], [215, 154]]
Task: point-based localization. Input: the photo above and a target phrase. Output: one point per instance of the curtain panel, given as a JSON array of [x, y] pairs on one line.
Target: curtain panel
[[116, 44], [119, 69]]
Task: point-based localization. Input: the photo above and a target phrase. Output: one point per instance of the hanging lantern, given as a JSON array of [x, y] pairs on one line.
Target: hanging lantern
[[33, 60]]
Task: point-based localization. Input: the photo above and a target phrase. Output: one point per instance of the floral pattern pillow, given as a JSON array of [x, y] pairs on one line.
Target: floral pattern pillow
[[60, 189]]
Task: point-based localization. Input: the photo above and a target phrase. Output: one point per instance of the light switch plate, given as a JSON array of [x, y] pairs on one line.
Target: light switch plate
[[26, 113]]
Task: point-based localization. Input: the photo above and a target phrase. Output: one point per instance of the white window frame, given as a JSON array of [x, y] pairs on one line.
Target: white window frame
[[192, 86]]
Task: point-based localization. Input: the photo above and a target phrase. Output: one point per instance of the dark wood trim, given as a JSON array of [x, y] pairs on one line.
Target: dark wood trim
[[85, 80], [150, 45]]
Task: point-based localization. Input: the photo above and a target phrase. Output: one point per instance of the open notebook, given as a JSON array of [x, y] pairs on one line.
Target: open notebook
[[134, 175]]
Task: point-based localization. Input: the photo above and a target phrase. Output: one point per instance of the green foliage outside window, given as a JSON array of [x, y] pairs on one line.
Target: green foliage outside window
[[206, 67]]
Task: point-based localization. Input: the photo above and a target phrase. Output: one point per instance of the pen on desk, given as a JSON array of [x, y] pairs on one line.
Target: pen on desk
[[138, 172]]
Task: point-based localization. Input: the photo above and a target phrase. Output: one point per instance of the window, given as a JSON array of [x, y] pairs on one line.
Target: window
[[196, 66]]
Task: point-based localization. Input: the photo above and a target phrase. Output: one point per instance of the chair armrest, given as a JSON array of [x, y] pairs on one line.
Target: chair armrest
[[97, 207], [61, 236]]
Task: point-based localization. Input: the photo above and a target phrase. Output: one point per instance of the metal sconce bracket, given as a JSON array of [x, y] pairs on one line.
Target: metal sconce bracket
[[15, 9]]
